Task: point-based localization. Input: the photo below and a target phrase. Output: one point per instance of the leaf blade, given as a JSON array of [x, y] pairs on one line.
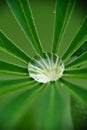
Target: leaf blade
[[78, 61], [16, 108], [7, 86], [76, 91], [9, 47], [22, 12], [63, 13], [78, 40], [76, 73], [49, 111], [79, 114], [6, 67]]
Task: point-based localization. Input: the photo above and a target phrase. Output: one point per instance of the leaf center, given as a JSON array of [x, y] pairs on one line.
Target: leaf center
[[46, 68]]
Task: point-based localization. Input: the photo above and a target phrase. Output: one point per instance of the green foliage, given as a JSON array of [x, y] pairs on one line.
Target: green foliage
[[63, 13], [78, 61], [22, 12], [48, 104], [9, 47], [78, 40], [77, 91], [79, 114], [7, 86], [12, 68], [76, 73]]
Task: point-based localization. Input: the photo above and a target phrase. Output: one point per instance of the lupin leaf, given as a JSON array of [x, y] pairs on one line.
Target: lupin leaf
[[49, 109], [79, 39], [9, 47], [6, 67], [7, 86], [76, 91], [76, 73], [11, 114], [78, 61], [64, 10], [22, 12]]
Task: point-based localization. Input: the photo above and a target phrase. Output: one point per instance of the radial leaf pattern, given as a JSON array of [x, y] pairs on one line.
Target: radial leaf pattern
[[22, 12], [10, 48], [44, 101], [63, 13], [46, 68]]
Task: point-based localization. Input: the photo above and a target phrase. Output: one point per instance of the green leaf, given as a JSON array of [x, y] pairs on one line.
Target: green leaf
[[78, 40], [27, 122], [63, 13], [16, 108], [6, 67], [49, 109], [9, 47], [81, 50], [76, 91], [76, 73], [7, 86], [78, 61], [22, 12], [79, 114]]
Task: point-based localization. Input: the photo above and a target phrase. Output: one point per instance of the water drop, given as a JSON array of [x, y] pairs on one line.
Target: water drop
[[46, 68]]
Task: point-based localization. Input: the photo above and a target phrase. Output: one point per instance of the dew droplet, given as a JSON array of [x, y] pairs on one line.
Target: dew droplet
[[46, 68]]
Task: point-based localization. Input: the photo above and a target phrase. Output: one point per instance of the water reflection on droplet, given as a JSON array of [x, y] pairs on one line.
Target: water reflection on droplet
[[46, 68]]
